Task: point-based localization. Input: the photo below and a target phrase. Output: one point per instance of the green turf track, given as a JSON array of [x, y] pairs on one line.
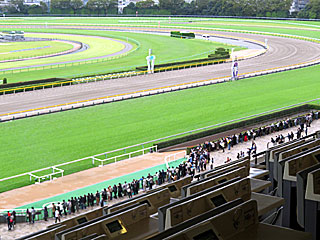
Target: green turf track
[[97, 47], [70, 135], [42, 141], [104, 184], [165, 48], [303, 28], [47, 47]]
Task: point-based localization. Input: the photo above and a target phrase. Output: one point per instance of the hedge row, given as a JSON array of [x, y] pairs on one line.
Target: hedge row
[[178, 34], [236, 125], [220, 53], [18, 84]]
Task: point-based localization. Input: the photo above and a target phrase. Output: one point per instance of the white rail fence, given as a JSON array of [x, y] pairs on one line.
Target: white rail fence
[[173, 157], [129, 155], [56, 170]]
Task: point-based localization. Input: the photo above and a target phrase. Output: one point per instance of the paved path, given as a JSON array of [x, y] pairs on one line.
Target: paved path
[[282, 52]]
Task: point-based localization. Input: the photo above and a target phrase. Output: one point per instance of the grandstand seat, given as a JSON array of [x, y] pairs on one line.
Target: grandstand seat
[[238, 223], [288, 182], [240, 189], [312, 204], [191, 222], [119, 226], [302, 182]]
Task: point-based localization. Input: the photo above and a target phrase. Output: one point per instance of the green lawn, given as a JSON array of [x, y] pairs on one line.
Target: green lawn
[[43, 141], [97, 47], [18, 50]]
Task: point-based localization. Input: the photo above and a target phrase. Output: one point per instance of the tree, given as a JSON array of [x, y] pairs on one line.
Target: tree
[[145, 4], [312, 10], [44, 7], [104, 5], [173, 5], [113, 5], [60, 4], [130, 9], [34, 9], [18, 6], [76, 5], [93, 5]]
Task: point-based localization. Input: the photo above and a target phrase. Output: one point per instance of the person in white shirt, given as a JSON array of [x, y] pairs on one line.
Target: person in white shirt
[[57, 216]]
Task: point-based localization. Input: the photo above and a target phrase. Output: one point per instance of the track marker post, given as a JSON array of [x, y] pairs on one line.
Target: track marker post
[[150, 61], [266, 43]]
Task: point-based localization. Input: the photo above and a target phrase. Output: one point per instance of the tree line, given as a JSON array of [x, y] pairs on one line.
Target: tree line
[[254, 8], [311, 11], [250, 8]]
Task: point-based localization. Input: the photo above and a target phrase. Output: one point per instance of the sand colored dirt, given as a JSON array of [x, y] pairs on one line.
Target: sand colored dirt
[[36, 192]]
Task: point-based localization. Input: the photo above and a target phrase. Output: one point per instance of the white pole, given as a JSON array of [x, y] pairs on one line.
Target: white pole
[[232, 70], [266, 43]]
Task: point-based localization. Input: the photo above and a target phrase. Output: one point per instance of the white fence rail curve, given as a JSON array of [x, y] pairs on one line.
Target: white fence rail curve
[[174, 157], [56, 170]]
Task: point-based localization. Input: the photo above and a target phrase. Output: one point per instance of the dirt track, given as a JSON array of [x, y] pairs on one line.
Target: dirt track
[[282, 52]]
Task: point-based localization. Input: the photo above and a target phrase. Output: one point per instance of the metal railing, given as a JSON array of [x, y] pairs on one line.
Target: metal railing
[[173, 157], [129, 155]]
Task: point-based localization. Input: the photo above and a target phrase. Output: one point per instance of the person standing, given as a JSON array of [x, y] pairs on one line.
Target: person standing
[[57, 216], [72, 205], [45, 213], [33, 213], [115, 191], [92, 199], [306, 131], [64, 206], [9, 221], [58, 209], [76, 202], [129, 190], [53, 209], [69, 207], [14, 217], [28, 213], [97, 198], [120, 190]]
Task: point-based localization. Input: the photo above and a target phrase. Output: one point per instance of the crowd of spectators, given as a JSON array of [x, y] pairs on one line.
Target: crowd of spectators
[[302, 122], [199, 159], [120, 191]]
